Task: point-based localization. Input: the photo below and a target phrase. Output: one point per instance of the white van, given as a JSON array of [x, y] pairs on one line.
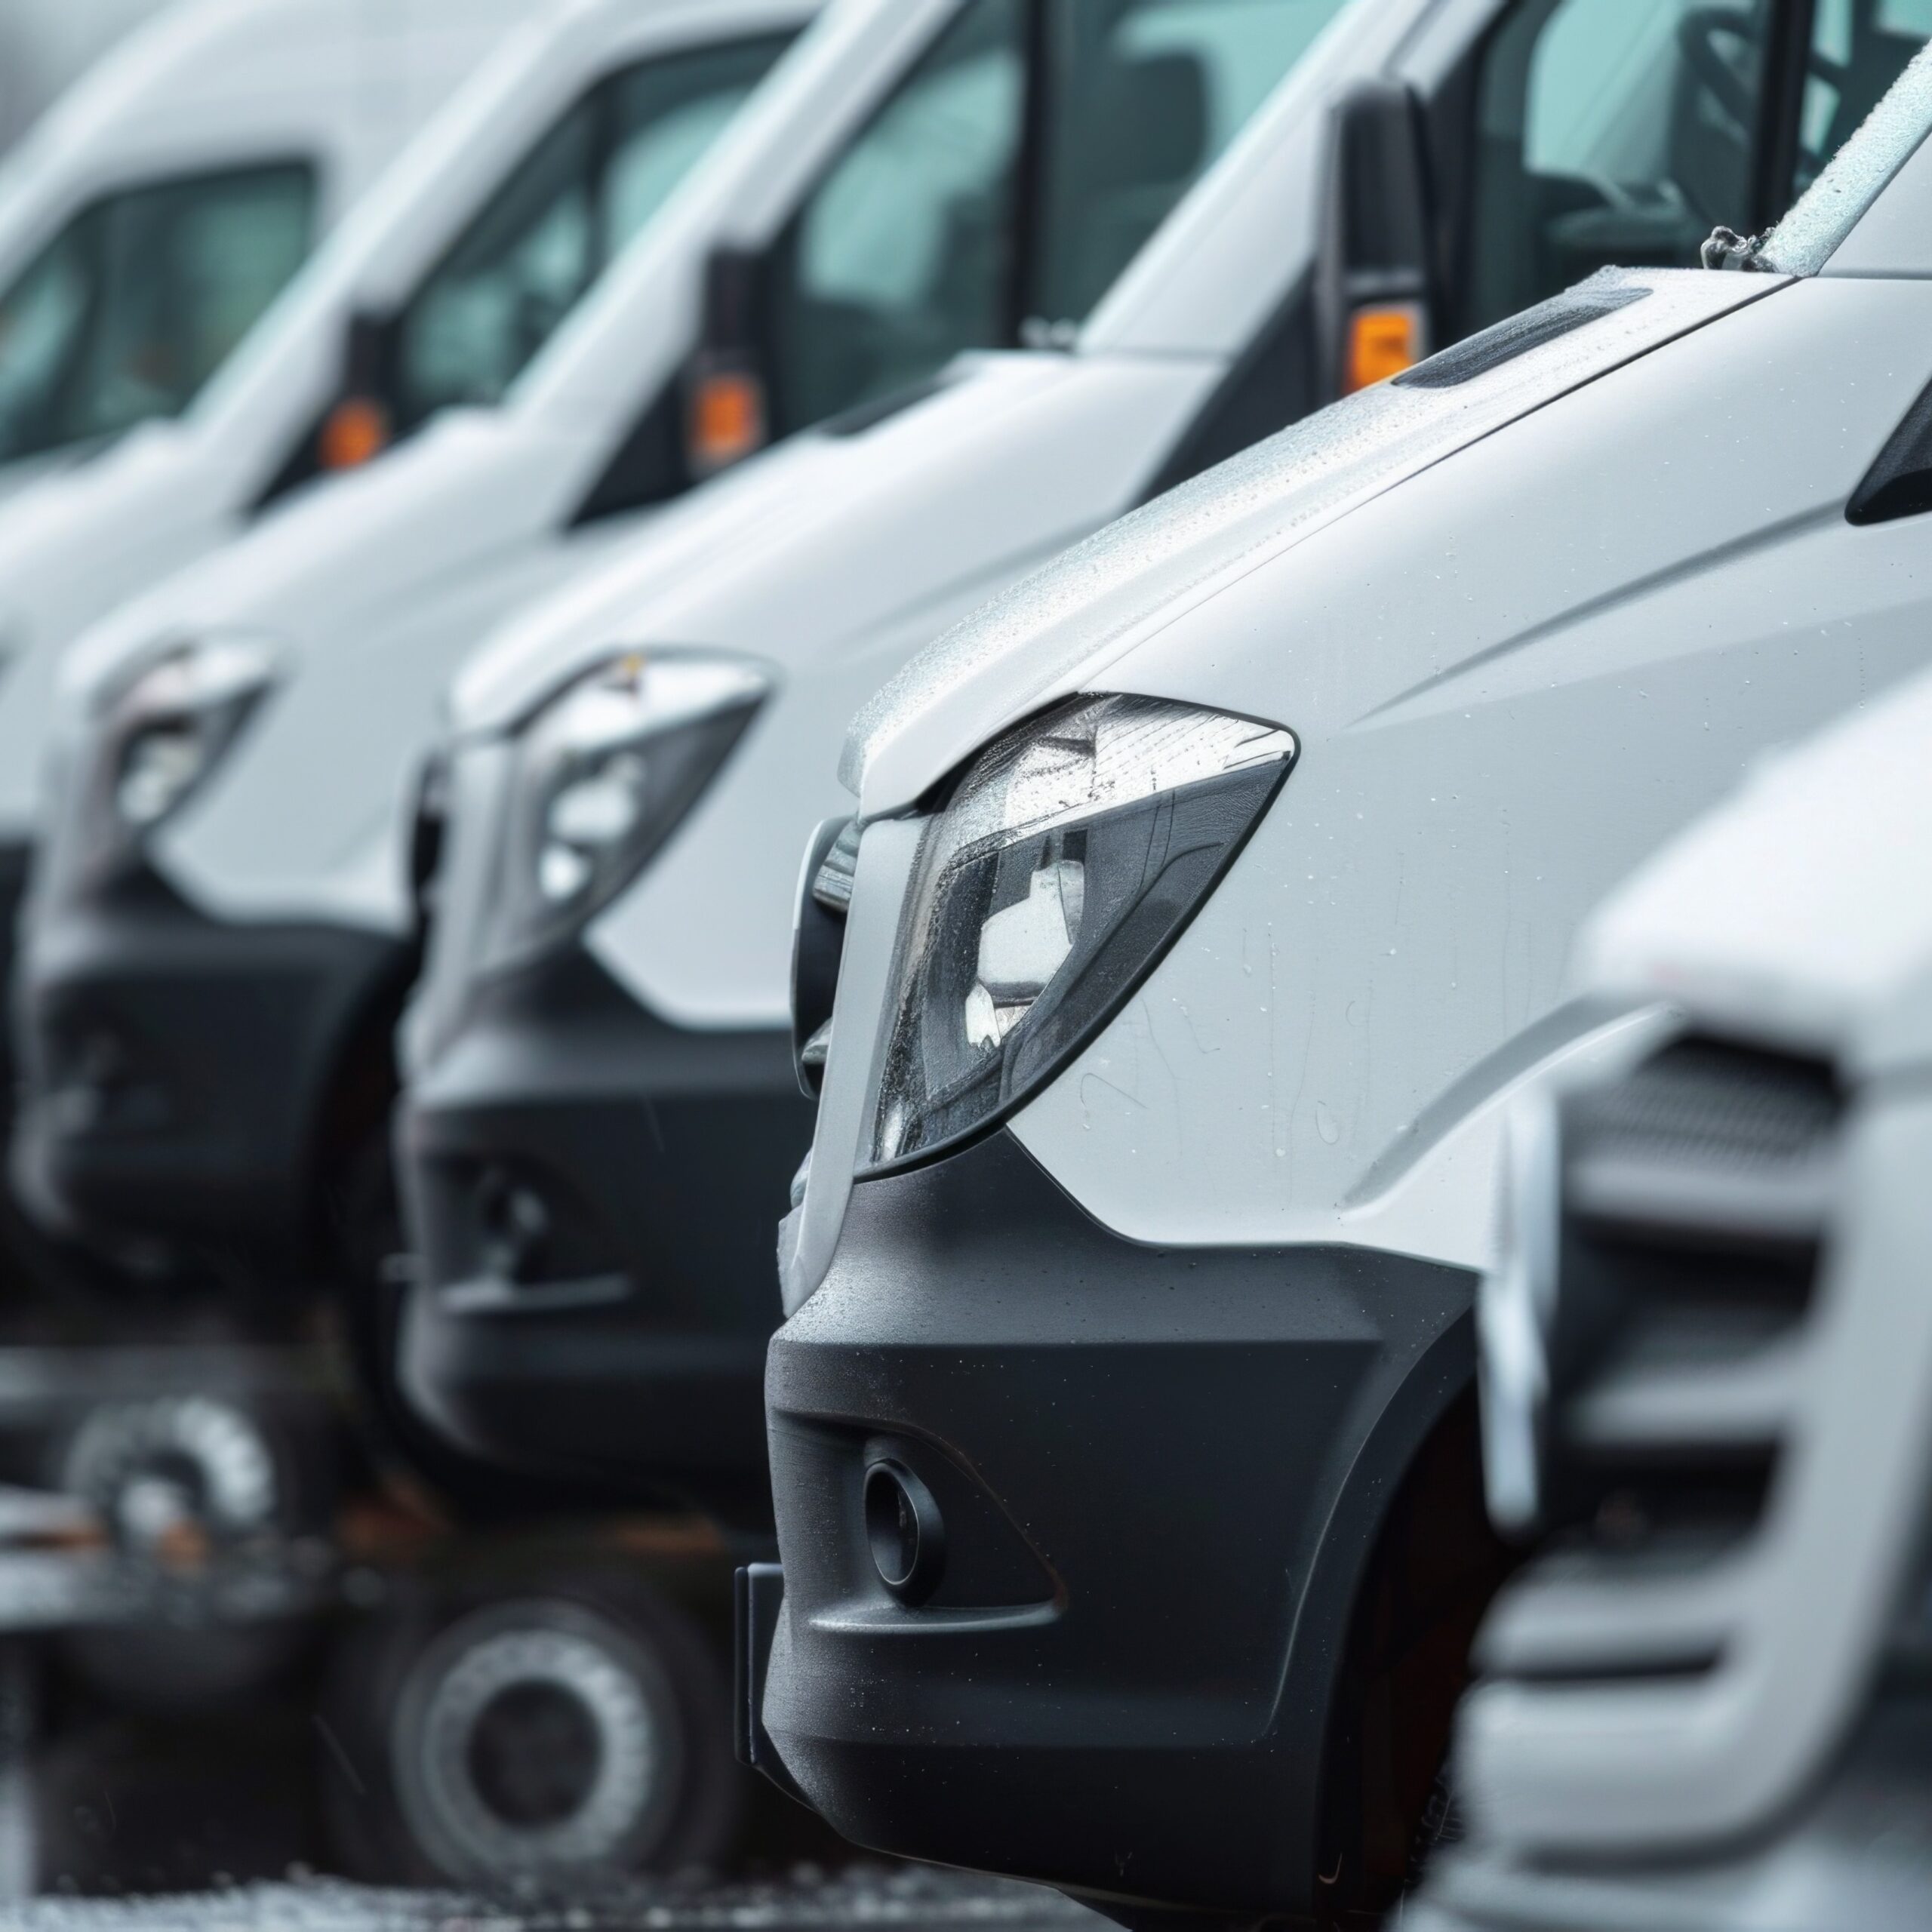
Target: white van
[[1209, 897], [488, 233], [600, 1124], [1707, 1386], [150, 216]]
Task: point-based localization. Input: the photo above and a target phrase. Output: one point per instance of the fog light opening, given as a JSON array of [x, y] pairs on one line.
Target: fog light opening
[[514, 1223], [905, 1531]]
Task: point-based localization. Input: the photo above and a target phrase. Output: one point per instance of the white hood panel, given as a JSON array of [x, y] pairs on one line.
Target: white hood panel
[[1053, 633]]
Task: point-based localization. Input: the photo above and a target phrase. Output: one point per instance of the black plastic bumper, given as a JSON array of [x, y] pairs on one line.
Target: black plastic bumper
[[1209, 1547], [179, 1070], [1856, 1854], [594, 1195]]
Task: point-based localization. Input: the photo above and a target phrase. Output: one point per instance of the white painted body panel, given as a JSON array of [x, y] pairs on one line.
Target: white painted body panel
[[1515, 668], [82, 544], [46, 45]]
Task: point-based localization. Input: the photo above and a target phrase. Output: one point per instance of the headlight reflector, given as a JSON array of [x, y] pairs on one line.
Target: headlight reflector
[[605, 771], [1069, 858], [159, 734]]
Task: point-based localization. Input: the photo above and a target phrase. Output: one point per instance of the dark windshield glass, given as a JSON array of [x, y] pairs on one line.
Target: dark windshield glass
[[140, 298], [560, 220], [942, 228], [1623, 131]]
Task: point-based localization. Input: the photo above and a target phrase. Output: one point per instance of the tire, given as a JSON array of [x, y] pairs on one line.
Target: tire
[[203, 1476], [559, 1737]]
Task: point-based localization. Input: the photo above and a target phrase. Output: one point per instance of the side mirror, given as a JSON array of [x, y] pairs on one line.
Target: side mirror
[[726, 415], [359, 426], [1376, 302]]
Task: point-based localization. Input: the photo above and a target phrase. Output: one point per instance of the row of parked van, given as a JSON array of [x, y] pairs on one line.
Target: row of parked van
[[429, 649]]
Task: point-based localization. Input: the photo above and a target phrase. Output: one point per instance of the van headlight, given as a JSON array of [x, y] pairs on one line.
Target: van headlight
[[160, 734], [1068, 858], [604, 773]]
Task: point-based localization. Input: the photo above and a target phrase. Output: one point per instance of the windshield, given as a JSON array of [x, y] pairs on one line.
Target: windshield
[[1623, 131], [553, 228], [943, 227], [1807, 239], [136, 302]]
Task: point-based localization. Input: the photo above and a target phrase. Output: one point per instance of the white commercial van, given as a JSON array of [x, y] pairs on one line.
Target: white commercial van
[[601, 1120], [1208, 898], [487, 235], [1707, 1386], [152, 215]]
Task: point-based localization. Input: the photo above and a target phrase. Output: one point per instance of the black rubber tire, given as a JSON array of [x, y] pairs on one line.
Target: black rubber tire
[[412, 1688]]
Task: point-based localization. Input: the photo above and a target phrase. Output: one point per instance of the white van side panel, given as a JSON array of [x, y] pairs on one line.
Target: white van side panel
[[1499, 721]]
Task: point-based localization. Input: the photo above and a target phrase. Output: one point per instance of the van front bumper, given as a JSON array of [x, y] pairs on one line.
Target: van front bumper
[[1150, 1484], [593, 1195], [179, 1071]]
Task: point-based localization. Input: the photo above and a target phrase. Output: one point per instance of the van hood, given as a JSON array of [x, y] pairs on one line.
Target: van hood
[[833, 541], [333, 560], [1797, 911], [1056, 631]]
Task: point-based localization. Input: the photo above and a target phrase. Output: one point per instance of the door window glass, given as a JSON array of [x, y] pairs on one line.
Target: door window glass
[[1144, 95], [924, 239], [902, 255], [561, 219], [136, 303]]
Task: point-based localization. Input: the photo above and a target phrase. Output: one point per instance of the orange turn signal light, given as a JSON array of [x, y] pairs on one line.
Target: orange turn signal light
[[357, 429], [1383, 342], [727, 419]]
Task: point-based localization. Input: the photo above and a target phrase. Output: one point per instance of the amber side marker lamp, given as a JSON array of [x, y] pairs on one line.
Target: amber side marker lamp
[[1383, 342], [356, 431], [727, 422]]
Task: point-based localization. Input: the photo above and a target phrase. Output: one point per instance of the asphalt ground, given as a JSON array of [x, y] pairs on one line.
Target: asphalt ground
[[861, 1899]]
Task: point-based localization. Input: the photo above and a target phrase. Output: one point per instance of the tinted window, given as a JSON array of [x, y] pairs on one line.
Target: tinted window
[[565, 213], [940, 229], [1143, 96], [133, 306], [1624, 131], [902, 255]]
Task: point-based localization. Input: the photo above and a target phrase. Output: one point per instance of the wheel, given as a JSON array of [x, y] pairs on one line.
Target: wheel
[[563, 1736], [184, 1481]]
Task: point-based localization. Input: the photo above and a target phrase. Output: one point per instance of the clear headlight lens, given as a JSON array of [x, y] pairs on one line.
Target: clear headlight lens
[[605, 771], [160, 734], [1070, 857]]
